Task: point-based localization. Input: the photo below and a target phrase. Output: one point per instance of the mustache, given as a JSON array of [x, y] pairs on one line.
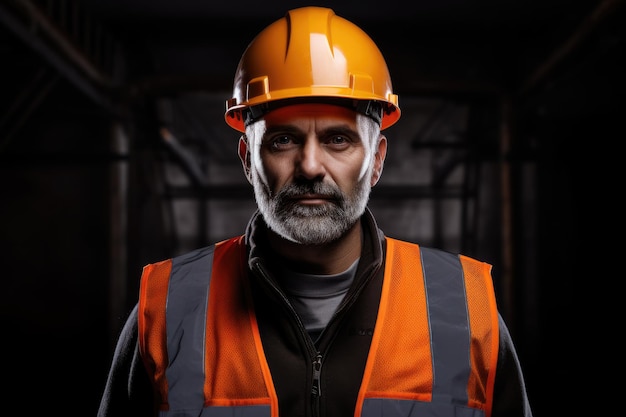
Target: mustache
[[309, 187]]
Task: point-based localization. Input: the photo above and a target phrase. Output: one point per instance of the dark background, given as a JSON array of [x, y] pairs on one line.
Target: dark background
[[526, 99]]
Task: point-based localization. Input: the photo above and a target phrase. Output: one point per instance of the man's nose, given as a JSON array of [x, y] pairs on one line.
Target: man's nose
[[311, 160]]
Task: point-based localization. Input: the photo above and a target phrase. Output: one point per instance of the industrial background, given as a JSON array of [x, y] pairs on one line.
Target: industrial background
[[114, 153]]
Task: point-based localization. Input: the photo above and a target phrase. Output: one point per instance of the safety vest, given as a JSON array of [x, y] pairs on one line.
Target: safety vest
[[433, 352]]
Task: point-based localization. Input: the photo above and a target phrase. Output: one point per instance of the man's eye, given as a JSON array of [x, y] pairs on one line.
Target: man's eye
[[281, 141], [338, 139]]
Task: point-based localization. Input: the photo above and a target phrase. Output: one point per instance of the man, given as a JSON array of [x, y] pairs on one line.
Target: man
[[314, 311]]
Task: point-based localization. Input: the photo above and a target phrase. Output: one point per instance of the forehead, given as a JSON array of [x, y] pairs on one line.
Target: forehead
[[305, 113]]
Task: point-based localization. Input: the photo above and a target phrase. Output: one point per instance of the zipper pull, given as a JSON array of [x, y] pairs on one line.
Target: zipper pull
[[317, 370], [316, 391]]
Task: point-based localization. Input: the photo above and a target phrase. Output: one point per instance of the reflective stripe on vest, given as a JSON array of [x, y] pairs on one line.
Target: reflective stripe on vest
[[434, 348]]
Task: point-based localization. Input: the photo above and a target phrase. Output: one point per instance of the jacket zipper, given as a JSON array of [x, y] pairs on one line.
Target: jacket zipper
[[316, 388]]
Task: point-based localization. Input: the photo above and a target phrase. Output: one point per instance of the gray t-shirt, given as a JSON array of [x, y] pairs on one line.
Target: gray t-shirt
[[316, 297]]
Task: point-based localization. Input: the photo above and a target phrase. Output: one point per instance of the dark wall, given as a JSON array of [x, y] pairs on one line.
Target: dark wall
[[54, 238]]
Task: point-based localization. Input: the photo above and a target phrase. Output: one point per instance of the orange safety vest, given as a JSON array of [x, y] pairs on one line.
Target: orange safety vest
[[434, 348]]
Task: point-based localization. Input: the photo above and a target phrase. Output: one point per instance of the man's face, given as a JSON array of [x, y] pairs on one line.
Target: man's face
[[311, 168]]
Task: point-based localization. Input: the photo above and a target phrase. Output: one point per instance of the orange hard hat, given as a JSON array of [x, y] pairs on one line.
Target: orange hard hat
[[312, 55]]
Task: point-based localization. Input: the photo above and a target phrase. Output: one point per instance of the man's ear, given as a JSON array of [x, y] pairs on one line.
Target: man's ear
[[244, 156], [379, 160]]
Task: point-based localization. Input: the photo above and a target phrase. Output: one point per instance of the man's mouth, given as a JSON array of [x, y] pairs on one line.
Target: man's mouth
[[311, 199]]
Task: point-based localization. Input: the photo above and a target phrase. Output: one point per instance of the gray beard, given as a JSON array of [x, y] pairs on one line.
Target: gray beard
[[311, 225]]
